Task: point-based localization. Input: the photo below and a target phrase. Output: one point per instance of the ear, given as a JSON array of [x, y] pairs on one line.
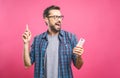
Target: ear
[[46, 20]]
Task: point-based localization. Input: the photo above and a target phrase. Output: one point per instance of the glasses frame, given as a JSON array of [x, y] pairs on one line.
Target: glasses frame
[[56, 17]]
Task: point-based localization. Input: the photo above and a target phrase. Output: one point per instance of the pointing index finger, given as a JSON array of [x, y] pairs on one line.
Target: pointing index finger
[[27, 27]]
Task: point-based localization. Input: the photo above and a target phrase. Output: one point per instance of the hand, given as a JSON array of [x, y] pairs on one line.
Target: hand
[[26, 35], [78, 50]]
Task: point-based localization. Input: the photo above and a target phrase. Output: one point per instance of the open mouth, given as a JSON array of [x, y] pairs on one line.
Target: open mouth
[[58, 24]]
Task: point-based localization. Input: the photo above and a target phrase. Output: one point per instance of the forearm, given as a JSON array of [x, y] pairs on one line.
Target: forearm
[[26, 56], [79, 62]]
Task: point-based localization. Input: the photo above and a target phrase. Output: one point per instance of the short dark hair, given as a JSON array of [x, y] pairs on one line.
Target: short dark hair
[[47, 10]]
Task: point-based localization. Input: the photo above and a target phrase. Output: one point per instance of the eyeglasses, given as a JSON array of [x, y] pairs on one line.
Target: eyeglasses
[[55, 17]]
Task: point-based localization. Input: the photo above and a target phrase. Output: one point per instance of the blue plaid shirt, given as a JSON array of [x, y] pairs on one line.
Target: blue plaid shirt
[[67, 42]]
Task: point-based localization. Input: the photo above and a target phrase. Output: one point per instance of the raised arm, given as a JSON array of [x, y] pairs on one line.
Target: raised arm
[[26, 39]]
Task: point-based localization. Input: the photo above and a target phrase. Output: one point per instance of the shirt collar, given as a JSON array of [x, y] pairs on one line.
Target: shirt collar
[[61, 34]]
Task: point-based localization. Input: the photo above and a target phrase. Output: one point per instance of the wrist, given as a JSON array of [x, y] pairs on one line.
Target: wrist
[[26, 43], [79, 56]]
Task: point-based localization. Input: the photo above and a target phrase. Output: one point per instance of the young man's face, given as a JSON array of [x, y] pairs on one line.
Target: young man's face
[[54, 20]]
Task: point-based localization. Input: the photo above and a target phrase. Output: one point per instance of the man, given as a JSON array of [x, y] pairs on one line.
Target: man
[[52, 51]]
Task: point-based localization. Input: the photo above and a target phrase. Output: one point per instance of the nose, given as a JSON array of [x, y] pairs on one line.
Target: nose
[[60, 19]]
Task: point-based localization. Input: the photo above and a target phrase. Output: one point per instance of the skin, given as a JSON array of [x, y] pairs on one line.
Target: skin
[[54, 26]]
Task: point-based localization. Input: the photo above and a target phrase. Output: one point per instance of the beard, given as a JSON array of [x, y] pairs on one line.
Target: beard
[[55, 30]]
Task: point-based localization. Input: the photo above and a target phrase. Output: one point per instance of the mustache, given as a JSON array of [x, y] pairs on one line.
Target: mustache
[[58, 22]]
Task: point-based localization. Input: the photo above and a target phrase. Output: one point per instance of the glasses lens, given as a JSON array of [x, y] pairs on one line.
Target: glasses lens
[[55, 17]]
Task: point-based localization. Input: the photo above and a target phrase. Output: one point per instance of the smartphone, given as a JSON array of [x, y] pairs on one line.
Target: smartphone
[[81, 42]]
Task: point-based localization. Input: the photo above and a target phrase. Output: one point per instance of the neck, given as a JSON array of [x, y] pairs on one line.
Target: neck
[[52, 33]]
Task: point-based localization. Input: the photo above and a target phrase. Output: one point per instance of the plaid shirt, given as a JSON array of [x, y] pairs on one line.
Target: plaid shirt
[[37, 54]]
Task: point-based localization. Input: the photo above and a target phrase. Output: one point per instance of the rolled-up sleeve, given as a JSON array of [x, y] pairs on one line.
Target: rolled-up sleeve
[[74, 43]]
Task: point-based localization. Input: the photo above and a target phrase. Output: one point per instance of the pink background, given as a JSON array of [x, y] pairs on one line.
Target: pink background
[[98, 21]]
